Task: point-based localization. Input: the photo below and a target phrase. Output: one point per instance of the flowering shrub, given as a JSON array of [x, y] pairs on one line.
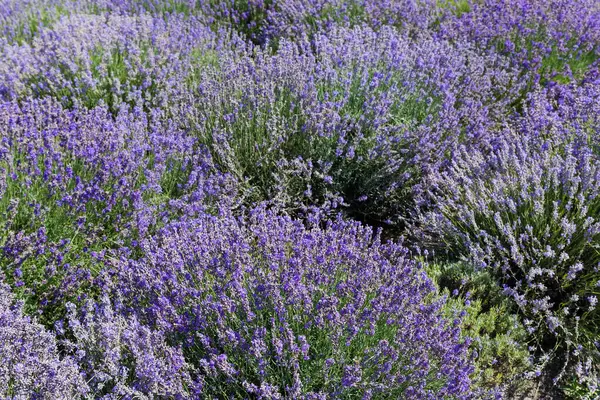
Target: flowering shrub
[[551, 39], [85, 60], [121, 357], [351, 117], [76, 184], [270, 308], [111, 355], [527, 210]]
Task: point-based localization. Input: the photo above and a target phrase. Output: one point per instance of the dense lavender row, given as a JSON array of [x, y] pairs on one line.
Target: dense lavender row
[[299, 199]]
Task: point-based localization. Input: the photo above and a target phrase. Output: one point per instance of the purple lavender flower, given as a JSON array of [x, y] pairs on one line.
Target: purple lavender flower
[[121, 357], [30, 361]]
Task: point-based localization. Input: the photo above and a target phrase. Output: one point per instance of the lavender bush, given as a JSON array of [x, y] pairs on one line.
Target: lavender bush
[[527, 210], [119, 357], [76, 184], [548, 40], [269, 308], [85, 60], [328, 123]]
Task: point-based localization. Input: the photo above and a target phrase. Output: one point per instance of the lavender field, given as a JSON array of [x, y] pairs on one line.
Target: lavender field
[[299, 199]]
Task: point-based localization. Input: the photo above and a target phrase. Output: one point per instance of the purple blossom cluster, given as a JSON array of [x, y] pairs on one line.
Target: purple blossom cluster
[[120, 357], [196, 196], [84, 60], [78, 184]]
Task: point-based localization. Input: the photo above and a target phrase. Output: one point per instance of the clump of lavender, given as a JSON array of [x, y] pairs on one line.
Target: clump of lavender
[[266, 21], [120, 357], [526, 208], [21, 21], [555, 40], [76, 185], [350, 117], [85, 60], [296, 18], [270, 308], [30, 364]]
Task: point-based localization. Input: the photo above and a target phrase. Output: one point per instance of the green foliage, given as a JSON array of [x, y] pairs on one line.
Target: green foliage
[[458, 7], [168, 7], [353, 13], [577, 391], [499, 338], [201, 60]]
